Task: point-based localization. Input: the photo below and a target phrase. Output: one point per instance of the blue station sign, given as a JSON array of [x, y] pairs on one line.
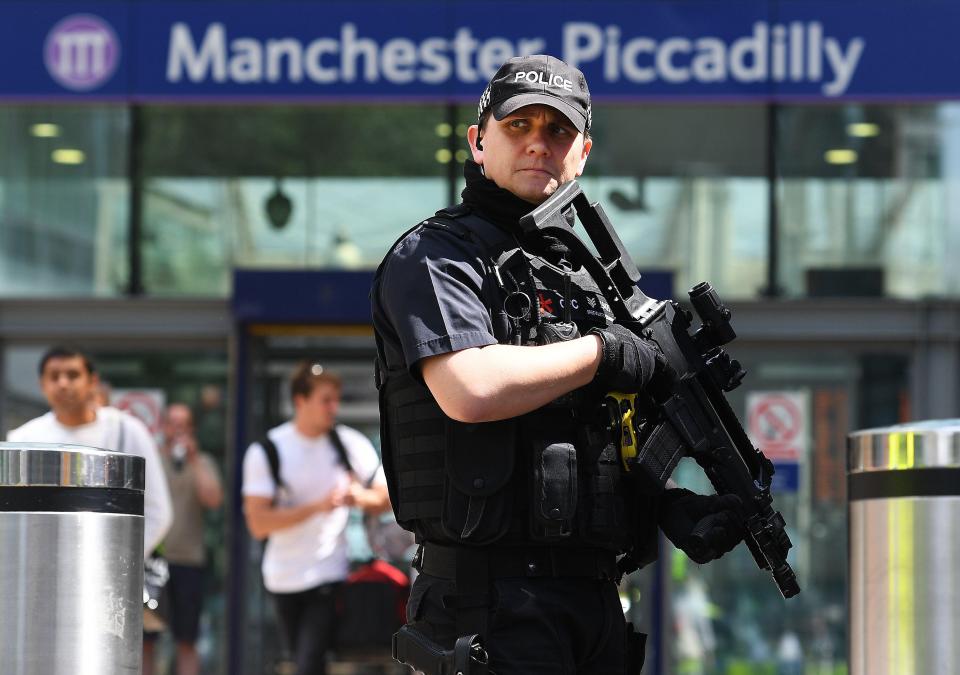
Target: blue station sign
[[444, 50]]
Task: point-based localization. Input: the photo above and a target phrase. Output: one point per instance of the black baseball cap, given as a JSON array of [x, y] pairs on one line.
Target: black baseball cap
[[525, 80]]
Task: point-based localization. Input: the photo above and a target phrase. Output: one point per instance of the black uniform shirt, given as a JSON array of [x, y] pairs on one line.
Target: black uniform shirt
[[428, 298]]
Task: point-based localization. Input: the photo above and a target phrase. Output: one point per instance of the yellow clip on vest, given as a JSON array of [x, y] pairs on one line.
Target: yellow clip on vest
[[622, 412]]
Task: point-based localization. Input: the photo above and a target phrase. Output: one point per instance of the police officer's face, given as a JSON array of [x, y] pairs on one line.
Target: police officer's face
[[531, 151]]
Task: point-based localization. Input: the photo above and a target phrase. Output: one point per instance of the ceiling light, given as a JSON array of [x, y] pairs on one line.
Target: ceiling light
[[68, 156], [45, 130], [840, 156], [443, 130], [863, 129], [443, 156]]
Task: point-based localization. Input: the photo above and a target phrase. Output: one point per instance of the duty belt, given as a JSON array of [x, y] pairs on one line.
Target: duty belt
[[520, 561]]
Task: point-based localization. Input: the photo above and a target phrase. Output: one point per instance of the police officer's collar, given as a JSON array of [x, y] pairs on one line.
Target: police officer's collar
[[505, 209], [499, 205]]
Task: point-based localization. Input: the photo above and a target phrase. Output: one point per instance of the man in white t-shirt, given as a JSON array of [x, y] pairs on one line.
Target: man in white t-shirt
[[69, 382], [305, 516]]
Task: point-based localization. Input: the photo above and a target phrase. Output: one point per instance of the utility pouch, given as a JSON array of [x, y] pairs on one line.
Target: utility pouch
[[604, 520], [413, 649], [554, 490], [479, 461]]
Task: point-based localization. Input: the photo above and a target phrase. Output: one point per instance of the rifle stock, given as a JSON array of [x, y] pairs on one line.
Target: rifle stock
[[690, 417]]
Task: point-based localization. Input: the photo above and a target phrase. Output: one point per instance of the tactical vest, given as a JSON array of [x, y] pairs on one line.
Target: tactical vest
[[552, 476]]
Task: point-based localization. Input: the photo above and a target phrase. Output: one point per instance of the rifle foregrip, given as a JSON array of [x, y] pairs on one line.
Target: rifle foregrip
[[696, 544]]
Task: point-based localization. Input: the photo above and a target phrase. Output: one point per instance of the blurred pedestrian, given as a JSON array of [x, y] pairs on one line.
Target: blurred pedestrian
[[195, 487], [322, 469], [69, 382]]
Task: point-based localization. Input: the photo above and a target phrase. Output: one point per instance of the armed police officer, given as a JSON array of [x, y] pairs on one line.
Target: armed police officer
[[495, 352]]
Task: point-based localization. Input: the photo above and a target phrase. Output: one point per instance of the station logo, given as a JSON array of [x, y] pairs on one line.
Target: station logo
[[81, 52]]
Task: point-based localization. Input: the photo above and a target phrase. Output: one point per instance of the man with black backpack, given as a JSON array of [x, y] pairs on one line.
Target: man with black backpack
[[298, 484]]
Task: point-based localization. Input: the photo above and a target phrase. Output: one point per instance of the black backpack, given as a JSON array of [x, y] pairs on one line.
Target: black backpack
[[273, 457]]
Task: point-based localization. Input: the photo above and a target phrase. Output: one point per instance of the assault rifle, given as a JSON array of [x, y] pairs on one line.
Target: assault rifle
[[691, 416]]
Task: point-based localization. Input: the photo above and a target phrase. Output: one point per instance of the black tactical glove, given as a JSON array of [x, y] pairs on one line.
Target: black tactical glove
[[702, 526], [628, 362]]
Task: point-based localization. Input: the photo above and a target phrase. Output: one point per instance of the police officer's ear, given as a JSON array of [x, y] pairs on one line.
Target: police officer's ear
[[476, 145], [587, 145]]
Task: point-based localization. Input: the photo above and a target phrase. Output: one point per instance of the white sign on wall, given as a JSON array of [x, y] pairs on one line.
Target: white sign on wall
[[779, 424], [144, 404]]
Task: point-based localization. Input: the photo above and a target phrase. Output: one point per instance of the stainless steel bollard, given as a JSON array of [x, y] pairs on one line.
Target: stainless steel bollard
[[71, 560], [904, 491]]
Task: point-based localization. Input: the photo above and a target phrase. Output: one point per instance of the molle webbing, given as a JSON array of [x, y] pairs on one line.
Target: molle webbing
[[417, 434]]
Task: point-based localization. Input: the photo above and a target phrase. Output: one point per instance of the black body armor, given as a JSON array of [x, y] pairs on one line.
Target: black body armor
[[552, 476]]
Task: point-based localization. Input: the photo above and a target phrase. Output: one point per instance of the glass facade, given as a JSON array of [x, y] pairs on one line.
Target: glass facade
[[869, 200], [866, 194], [64, 200], [306, 187], [685, 187]]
